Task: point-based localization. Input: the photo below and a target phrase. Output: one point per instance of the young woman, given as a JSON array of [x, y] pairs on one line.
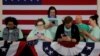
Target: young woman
[[94, 35], [52, 21], [40, 33]]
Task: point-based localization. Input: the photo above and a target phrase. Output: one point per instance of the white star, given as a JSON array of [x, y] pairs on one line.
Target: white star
[[88, 48], [50, 52], [46, 48]]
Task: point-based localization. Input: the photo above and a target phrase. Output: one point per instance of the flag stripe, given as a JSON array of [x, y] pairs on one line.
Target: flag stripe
[[42, 12], [27, 22], [13, 49], [21, 47], [35, 17], [23, 27], [49, 2], [46, 7], [69, 2], [32, 22], [26, 32]]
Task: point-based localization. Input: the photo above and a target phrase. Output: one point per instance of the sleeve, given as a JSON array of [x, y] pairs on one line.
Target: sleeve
[[20, 34], [58, 33], [59, 21], [1, 33], [96, 34], [31, 34], [46, 20], [48, 34], [76, 34]]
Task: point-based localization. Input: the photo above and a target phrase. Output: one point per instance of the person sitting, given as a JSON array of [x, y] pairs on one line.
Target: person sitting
[[52, 20], [11, 32], [67, 31], [94, 34], [40, 33], [81, 26]]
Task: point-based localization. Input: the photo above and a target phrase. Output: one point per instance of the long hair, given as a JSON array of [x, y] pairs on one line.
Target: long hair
[[95, 17], [52, 8]]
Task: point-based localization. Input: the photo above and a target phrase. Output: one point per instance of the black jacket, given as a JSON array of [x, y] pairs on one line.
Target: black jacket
[[74, 32]]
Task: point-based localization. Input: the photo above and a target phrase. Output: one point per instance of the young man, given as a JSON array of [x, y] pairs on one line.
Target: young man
[[67, 31]]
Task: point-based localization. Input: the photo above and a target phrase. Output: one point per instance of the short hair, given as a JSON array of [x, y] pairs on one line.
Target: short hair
[[40, 20], [95, 17], [67, 20], [52, 8], [11, 19]]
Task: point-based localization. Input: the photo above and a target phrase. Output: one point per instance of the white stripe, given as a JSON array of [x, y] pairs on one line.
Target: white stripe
[[39, 49], [13, 49], [96, 49], [68, 51], [35, 17], [45, 7], [24, 27]]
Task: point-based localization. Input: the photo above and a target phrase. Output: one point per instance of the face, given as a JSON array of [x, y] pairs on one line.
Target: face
[[52, 13], [91, 22], [68, 25], [10, 25], [78, 19], [40, 25]]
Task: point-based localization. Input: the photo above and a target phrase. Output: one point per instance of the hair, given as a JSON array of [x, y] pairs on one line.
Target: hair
[[11, 19], [52, 8], [40, 20], [67, 20], [95, 17]]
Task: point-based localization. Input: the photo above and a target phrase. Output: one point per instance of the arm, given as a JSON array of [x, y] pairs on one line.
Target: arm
[[31, 35], [76, 34], [1, 34], [47, 36], [58, 33], [92, 37], [20, 34]]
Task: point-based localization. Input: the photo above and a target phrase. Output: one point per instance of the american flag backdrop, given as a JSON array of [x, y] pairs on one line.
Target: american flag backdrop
[[27, 11]]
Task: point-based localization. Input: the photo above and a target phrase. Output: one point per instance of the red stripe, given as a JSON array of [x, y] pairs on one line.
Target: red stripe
[[20, 48], [32, 22], [27, 22], [69, 2], [26, 32], [33, 50], [44, 12]]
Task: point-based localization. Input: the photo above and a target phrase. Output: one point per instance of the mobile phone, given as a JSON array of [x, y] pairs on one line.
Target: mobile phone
[[64, 35]]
